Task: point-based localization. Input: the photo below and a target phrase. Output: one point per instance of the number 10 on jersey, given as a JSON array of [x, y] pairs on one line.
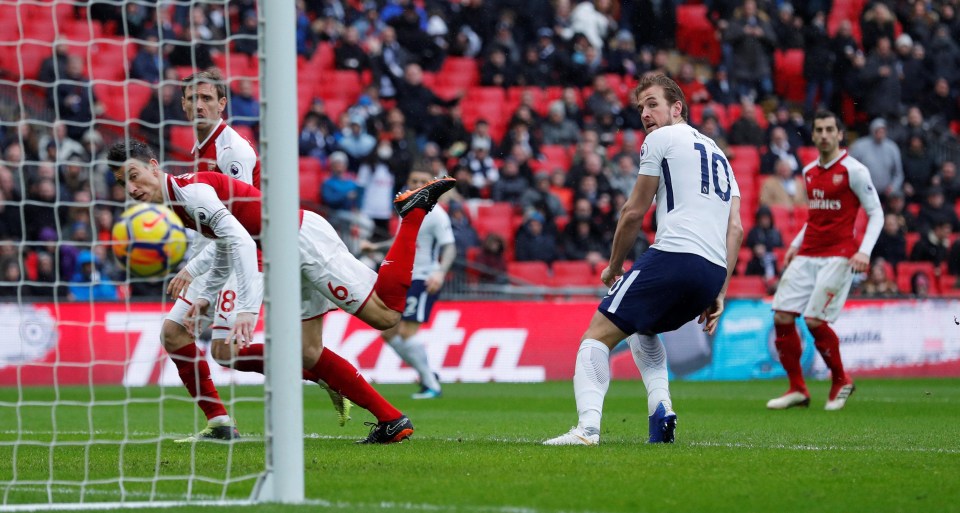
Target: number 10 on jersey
[[710, 163]]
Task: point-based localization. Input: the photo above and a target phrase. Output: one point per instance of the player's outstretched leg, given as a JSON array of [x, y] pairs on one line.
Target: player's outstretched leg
[[651, 359], [250, 359], [828, 345], [342, 377], [789, 349], [396, 271]]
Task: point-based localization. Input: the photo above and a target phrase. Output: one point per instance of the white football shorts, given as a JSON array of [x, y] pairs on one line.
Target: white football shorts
[[331, 277], [815, 287], [224, 314]]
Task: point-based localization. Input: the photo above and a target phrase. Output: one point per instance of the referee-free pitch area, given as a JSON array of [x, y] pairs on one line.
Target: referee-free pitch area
[[896, 447]]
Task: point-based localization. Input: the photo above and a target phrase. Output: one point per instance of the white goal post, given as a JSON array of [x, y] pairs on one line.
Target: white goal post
[[90, 404]]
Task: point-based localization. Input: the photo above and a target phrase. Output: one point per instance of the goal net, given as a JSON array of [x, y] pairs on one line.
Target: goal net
[[90, 403]]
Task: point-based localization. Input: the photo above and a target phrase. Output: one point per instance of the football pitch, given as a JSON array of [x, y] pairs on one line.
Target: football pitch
[[894, 448]]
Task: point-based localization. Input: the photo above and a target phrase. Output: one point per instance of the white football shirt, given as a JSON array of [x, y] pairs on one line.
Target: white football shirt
[[435, 233], [693, 198]]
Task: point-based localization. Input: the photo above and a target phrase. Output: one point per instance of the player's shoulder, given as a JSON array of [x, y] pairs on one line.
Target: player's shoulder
[[811, 165], [852, 165], [230, 141]]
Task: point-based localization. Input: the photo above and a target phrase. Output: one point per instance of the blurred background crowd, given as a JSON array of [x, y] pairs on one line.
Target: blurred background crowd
[[525, 102]]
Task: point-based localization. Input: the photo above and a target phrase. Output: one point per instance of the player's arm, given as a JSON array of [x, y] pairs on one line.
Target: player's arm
[[448, 253], [200, 262], [630, 224], [238, 160], [794, 246], [862, 186]]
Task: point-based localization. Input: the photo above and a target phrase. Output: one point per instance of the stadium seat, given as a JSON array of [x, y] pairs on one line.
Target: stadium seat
[[310, 187], [123, 102], [733, 114], [556, 156], [746, 286], [573, 273], [912, 239], [783, 218], [746, 160], [340, 84], [529, 273], [698, 110], [31, 56], [323, 57], [182, 138], [807, 154], [310, 165], [695, 34], [906, 271], [788, 80]]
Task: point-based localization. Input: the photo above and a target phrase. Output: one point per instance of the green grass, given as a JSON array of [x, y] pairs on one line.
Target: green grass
[[894, 448]]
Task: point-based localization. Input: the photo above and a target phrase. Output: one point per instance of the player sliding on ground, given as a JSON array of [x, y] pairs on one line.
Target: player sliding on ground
[[229, 212], [685, 273]]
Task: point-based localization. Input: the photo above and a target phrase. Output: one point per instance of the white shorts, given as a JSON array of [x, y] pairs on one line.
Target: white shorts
[[330, 276], [815, 287], [224, 312]]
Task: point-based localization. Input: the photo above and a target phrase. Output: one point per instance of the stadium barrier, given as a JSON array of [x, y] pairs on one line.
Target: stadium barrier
[[113, 343]]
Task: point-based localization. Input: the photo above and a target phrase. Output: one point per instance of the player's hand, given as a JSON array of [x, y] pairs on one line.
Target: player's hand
[[242, 332], [711, 316], [191, 321], [610, 275], [859, 262], [179, 284], [366, 246], [788, 257], [435, 281]]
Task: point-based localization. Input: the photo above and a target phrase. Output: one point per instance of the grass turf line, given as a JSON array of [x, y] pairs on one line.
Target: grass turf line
[[894, 448]]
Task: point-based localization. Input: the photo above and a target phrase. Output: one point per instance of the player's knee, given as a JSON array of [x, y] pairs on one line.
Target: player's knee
[[783, 318], [222, 353], [813, 323], [174, 336], [383, 319]]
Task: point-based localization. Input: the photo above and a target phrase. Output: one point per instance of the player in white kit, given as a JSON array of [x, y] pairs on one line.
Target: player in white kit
[[821, 260], [684, 273], [436, 252]]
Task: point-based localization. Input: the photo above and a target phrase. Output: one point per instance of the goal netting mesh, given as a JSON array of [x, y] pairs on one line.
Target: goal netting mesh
[[90, 404]]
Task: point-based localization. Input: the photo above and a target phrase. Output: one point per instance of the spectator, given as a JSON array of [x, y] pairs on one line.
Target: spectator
[[798, 133], [882, 158], [149, 61], [784, 188], [752, 41], [944, 55], [891, 245], [491, 262], [12, 281], [378, 184], [534, 241], [552, 59], [558, 187], [593, 166], [880, 80], [711, 128], [87, 284], [540, 198], [388, 62], [465, 189], [788, 28], [244, 107], [557, 129], [877, 22], [818, 64], [581, 241], [74, 99], [414, 100], [592, 19], [340, 191], [720, 88], [496, 71], [355, 140], [764, 232], [745, 130], [66, 147], [349, 55], [934, 245], [920, 285], [948, 181], [623, 176], [511, 186], [585, 62], [160, 114], [693, 89], [779, 149], [571, 105], [897, 205], [464, 234], [935, 211], [630, 147], [918, 170], [621, 56], [46, 286], [763, 263], [940, 107], [54, 68], [916, 71], [247, 38], [482, 168], [879, 283], [314, 140]]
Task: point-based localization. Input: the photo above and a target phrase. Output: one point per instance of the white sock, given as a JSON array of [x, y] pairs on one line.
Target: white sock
[[591, 379], [651, 359], [219, 420], [413, 352]]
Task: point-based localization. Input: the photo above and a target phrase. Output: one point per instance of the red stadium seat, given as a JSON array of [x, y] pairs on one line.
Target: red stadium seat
[[789, 82], [807, 154], [31, 55], [906, 271], [746, 286], [912, 239], [125, 101], [310, 187], [733, 114], [340, 84], [182, 138], [745, 161], [556, 156], [323, 57], [695, 34], [529, 273], [573, 273]]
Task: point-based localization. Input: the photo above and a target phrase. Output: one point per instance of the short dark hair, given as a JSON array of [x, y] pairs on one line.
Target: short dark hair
[[207, 76], [671, 91], [129, 149], [825, 114]]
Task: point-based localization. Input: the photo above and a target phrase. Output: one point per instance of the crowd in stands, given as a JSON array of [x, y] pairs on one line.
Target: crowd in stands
[[526, 103]]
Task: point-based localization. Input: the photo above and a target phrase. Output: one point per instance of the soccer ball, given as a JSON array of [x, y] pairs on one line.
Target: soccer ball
[[149, 240]]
